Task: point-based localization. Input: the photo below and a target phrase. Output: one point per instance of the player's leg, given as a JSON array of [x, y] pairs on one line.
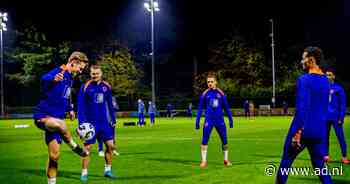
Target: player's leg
[[315, 151], [115, 152], [100, 147], [57, 125], [339, 131], [221, 129], [52, 166], [207, 128], [151, 115], [288, 156], [326, 149], [139, 121], [108, 135], [86, 160], [85, 164], [142, 119]]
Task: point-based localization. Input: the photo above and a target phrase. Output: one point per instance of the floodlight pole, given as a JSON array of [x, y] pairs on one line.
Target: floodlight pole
[[153, 53], [273, 66]]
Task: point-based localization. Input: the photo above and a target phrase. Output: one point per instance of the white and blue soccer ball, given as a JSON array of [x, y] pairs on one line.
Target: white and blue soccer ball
[[86, 131]]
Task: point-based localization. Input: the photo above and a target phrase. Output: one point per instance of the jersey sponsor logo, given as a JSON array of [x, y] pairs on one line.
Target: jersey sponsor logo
[[214, 102], [99, 97]]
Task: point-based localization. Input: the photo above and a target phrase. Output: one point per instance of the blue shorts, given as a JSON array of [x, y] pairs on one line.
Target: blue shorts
[[104, 133], [49, 136], [220, 128]]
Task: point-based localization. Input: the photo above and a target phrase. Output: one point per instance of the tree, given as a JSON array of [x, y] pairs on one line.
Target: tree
[[238, 67], [120, 70], [35, 55]]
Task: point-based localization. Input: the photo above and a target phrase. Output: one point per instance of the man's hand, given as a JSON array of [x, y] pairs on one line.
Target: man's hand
[[59, 76], [231, 125], [72, 115], [296, 139]]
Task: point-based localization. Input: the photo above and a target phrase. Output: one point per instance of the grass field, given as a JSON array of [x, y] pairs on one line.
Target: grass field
[[167, 153]]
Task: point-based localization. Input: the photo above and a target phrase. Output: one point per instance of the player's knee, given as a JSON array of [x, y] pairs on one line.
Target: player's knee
[[110, 147], [54, 156]]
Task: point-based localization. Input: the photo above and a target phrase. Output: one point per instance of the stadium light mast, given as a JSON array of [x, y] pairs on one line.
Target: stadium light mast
[[152, 6], [273, 66], [3, 19]]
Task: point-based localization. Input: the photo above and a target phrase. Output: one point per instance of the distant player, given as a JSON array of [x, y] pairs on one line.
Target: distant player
[[308, 128], [189, 110], [169, 110], [213, 99], [141, 112], [152, 110], [246, 108], [285, 108], [55, 94], [336, 114], [95, 106]]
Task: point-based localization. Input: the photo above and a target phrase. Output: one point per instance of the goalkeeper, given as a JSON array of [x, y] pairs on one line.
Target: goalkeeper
[[95, 106]]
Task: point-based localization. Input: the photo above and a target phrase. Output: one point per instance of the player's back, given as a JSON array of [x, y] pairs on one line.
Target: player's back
[[315, 104]]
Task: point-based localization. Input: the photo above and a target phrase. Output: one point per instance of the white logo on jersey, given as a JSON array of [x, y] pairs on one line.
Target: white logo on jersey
[[99, 98]]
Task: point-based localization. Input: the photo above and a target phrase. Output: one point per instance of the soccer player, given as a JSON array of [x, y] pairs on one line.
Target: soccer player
[[169, 110], [246, 108], [95, 106], [213, 98], [141, 110], [285, 108], [151, 111], [336, 114], [189, 110], [48, 115], [308, 128]]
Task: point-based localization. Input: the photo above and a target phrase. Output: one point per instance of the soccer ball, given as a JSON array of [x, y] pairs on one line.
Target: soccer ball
[[86, 131]]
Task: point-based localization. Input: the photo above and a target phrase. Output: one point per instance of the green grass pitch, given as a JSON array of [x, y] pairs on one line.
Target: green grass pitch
[[167, 153]]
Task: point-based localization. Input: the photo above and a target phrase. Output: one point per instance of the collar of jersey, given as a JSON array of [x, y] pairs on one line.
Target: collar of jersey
[[316, 70]]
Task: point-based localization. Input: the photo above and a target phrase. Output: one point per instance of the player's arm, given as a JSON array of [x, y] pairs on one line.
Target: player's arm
[[54, 75], [81, 105], [228, 111], [302, 108], [303, 102], [342, 105], [110, 106], [199, 113]]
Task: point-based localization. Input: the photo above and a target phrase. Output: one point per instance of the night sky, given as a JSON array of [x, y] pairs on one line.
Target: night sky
[[185, 28]]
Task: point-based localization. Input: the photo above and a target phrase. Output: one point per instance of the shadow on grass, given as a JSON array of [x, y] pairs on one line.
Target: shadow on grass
[[92, 177], [178, 161], [64, 174], [278, 157], [121, 153], [149, 177]]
